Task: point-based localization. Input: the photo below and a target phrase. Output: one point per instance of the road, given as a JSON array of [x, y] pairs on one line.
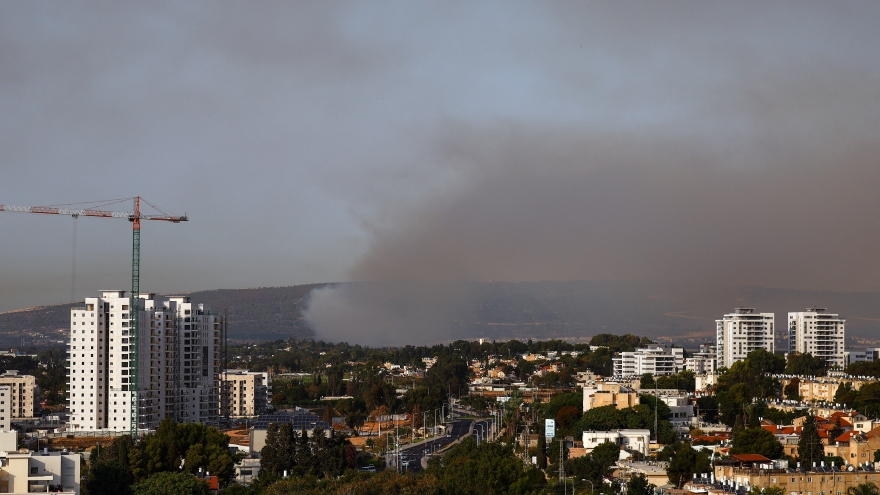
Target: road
[[411, 456]]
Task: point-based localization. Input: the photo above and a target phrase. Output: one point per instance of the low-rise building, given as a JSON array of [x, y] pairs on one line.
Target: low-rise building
[[632, 440], [300, 419], [23, 389], [681, 411], [609, 394], [244, 393], [862, 355], [29, 472], [703, 362], [804, 480], [6, 392], [854, 447], [655, 360]]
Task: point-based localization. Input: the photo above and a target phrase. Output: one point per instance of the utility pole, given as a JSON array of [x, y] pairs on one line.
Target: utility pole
[[561, 464]]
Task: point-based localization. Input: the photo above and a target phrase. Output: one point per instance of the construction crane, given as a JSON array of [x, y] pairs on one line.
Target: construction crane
[[134, 305]]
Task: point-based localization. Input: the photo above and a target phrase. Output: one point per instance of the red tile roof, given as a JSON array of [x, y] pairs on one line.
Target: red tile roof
[[846, 436], [749, 458], [213, 482]]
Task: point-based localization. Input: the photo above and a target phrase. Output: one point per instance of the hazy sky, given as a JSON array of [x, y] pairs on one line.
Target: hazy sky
[[702, 142]]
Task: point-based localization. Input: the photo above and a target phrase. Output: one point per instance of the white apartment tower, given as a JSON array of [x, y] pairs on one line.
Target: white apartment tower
[[178, 362], [655, 360], [818, 333], [741, 332]]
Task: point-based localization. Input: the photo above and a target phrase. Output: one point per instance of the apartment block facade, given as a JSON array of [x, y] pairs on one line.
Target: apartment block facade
[[741, 332], [655, 360], [244, 394], [818, 333], [22, 390], [176, 366]]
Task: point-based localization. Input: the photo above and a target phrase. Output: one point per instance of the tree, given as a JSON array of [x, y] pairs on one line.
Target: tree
[[684, 462], [201, 446], [845, 394], [606, 454], [110, 471], [866, 488], [166, 483], [770, 490], [542, 452], [638, 485], [792, 390], [757, 441], [566, 416], [806, 365], [867, 400], [764, 362], [708, 408], [108, 477], [490, 468], [810, 447]]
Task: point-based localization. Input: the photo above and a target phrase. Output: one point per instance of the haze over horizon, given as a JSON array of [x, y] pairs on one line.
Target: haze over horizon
[[699, 144]]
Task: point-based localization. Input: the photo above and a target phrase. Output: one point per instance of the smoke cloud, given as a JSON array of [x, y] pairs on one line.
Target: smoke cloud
[[790, 203]]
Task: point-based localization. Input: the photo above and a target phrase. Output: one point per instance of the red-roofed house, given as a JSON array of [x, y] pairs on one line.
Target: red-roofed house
[[854, 447], [213, 484], [756, 461]]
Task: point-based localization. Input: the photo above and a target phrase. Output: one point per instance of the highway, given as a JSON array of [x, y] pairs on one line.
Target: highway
[[415, 456]]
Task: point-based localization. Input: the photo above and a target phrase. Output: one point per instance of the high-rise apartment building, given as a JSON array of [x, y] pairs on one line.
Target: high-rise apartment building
[[818, 333], [177, 362], [741, 332]]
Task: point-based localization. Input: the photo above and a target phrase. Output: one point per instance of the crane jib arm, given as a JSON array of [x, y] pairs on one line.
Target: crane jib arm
[[52, 210]]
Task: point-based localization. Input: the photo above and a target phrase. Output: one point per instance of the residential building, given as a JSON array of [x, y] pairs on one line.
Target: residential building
[[655, 360], [681, 411], [609, 394], [705, 382], [632, 440], [29, 472], [854, 447], [817, 333], [23, 388], [741, 332], [859, 355], [6, 392], [300, 419], [177, 364], [821, 389], [244, 393], [704, 362], [751, 470]]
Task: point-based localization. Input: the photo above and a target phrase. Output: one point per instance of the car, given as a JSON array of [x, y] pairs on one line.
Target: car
[[368, 469]]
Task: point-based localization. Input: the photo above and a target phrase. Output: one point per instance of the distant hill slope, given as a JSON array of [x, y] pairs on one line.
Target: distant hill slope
[[498, 310]]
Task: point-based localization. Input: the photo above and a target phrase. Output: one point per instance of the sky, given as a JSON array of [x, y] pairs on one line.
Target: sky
[[698, 142]]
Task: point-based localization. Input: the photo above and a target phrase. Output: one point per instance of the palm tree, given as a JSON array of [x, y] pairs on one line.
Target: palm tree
[[866, 488]]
